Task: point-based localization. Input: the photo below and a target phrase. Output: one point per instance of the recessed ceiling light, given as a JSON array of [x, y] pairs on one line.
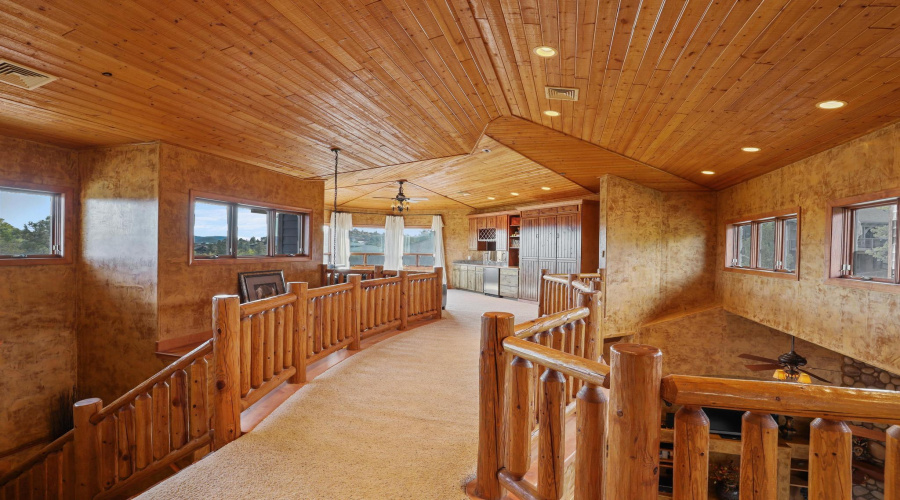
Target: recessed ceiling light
[[514, 194], [106, 73], [464, 193], [545, 51], [485, 150], [707, 172], [750, 149], [831, 104], [545, 188], [550, 112], [491, 198]]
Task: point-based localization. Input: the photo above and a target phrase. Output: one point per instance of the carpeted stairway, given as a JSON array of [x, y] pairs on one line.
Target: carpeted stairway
[[396, 421]]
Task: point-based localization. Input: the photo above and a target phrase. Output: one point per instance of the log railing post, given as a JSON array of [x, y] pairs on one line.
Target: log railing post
[[691, 468], [379, 272], [570, 291], [438, 291], [830, 459], [592, 339], [87, 449], [634, 413], [759, 457], [226, 353], [301, 290], [323, 274], [590, 448], [892, 464], [495, 326], [355, 299], [542, 294], [519, 417], [404, 299]]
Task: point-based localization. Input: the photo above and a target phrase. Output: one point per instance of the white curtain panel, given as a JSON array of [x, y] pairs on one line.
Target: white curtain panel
[[341, 224], [393, 243], [437, 225]]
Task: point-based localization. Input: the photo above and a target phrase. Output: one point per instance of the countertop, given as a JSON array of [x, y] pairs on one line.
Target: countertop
[[482, 264]]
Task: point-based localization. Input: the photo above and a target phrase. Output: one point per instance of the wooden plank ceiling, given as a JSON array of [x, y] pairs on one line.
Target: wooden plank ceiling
[[401, 85]]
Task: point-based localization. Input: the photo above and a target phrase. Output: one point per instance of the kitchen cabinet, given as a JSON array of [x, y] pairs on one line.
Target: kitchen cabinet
[[502, 226], [561, 238], [479, 279], [509, 283], [470, 278], [473, 234]]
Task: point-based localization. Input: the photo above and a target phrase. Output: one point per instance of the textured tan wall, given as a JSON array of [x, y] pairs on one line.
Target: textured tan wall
[[37, 316], [117, 320], [659, 252], [708, 342], [861, 324], [185, 291]]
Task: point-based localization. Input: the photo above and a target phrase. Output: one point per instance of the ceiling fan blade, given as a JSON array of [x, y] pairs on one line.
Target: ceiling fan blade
[[813, 375], [416, 200], [762, 368], [758, 358], [384, 198]]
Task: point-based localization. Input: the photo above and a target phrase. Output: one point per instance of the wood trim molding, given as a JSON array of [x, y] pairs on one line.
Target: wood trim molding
[[761, 272], [784, 212]]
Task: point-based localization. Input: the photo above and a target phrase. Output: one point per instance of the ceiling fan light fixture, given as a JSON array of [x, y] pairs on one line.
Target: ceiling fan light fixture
[[544, 51]]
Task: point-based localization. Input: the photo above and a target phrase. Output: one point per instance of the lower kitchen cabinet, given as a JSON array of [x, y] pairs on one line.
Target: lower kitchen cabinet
[[479, 280], [509, 283]]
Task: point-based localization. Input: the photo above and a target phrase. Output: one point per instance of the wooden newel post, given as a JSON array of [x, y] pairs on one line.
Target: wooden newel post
[[634, 413], [892, 464], [404, 299], [542, 294], [438, 291], [299, 331], [226, 353], [323, 274], [691, 474], [355, 299], [379, 272], [495, 326], [570, 291], [87, 448]]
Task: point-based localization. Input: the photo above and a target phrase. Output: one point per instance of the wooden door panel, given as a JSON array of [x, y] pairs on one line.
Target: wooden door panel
[[529, 274], [567, 228], [547, 237], [502, 233], [567, 266], [473, 234], [529, 238]]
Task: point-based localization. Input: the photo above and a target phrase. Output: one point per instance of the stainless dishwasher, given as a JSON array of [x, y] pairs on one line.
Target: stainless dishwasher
[[492, 281]]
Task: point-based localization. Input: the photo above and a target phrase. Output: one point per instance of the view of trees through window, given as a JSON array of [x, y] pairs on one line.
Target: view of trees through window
[[768, 243], [217, 223], [26, 223], [367, 246], [874, 242]]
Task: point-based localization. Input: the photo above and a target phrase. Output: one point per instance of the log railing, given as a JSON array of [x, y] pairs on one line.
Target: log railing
[[831, 453], [524, 370], [331, 276], [195, 403], [559, 292], [48, 474], [519, 374]]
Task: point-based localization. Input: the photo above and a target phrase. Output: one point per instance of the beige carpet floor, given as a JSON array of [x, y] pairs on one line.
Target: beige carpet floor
[[396, 421]]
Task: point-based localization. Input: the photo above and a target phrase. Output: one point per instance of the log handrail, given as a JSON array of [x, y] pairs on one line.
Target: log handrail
[[535, 326], [589, 371], [379, 282], [328, 290], [145, 386], [258, 306], [803, 400], [52, 447]]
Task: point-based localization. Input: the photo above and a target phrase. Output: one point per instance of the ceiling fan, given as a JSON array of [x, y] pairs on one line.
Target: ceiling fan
[[401, 202], [787, 366]]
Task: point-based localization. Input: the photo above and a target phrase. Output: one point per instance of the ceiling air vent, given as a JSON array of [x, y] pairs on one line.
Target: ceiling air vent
[[561, 93], [22, 76]]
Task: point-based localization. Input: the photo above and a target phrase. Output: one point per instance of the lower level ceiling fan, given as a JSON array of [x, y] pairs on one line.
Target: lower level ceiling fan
[[787, 366], [401, 202]]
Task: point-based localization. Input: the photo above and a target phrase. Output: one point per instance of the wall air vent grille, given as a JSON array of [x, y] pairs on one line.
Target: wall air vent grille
[[22, 76], [561, 93]]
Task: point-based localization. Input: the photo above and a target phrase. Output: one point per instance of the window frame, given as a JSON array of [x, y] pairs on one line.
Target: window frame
[[233, 204], [62, 221], [732, 242], [840, 215]]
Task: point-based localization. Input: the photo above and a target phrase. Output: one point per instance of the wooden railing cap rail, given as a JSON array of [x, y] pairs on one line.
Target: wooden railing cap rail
[[52, 447], [804, 400], [422, 276], [179, 364], [328, 290], [258, 306], [379, 282], [593, 372], [529, 328]]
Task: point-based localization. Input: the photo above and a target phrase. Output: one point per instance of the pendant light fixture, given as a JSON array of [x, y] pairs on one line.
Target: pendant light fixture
[[337, 153]]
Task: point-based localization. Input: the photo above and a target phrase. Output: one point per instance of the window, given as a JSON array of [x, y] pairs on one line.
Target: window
[[764, 244], [367, 246], [418, 247], [32, 225], [864, 240], [224, 229]]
